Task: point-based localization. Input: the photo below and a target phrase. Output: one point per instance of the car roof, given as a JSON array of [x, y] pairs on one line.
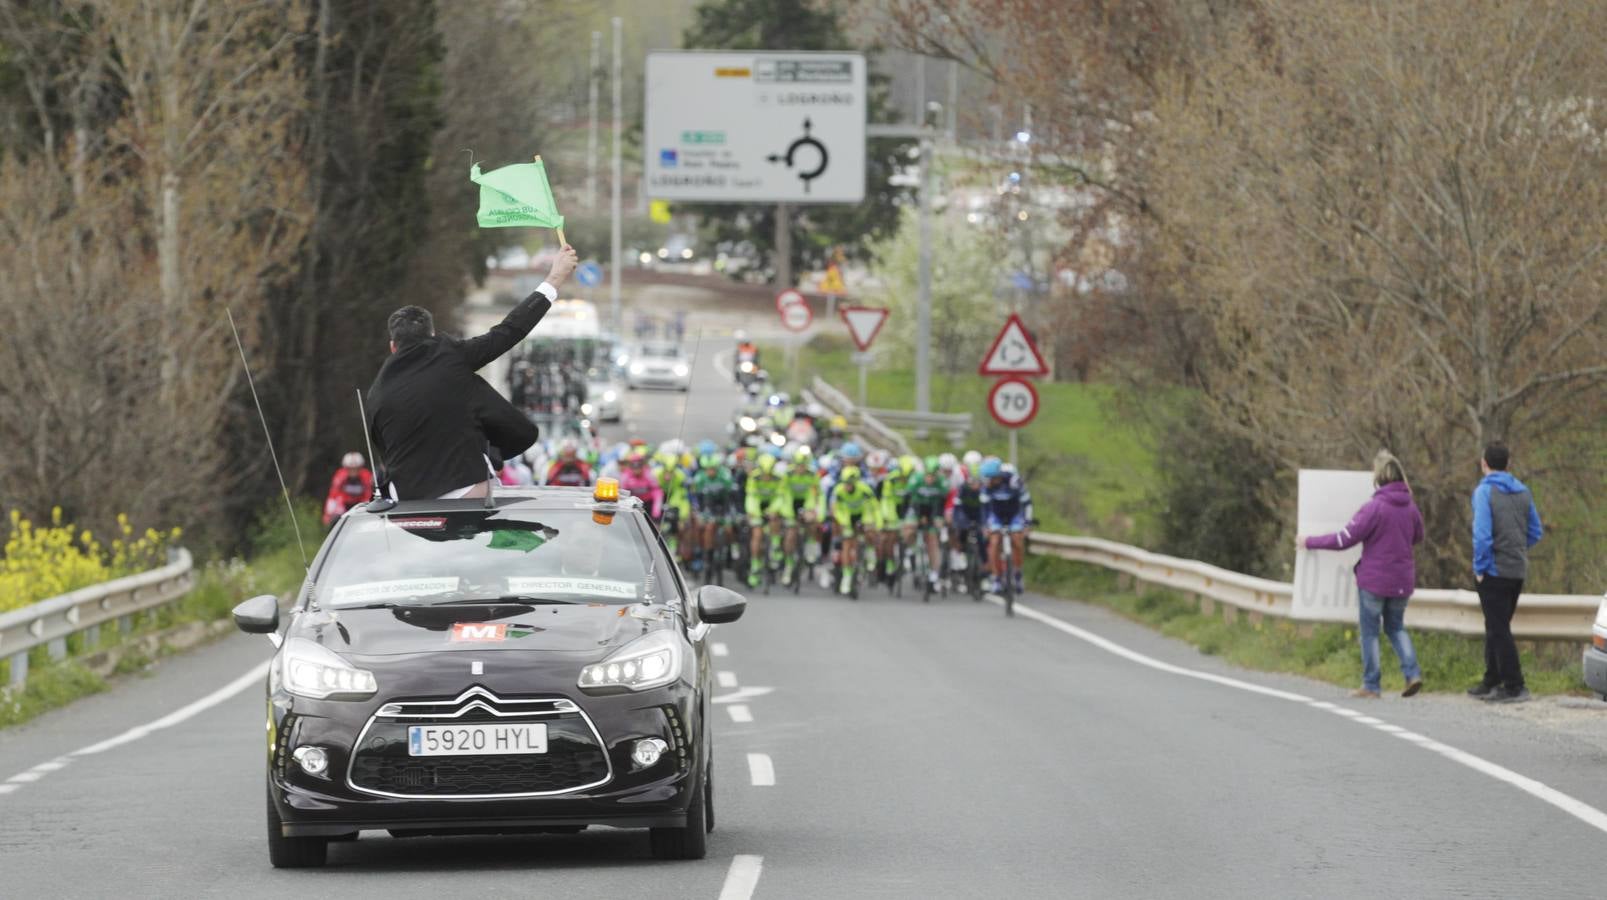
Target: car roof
[[509, 498]]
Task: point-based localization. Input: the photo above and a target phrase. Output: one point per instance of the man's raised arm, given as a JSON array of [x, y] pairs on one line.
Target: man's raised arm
[[505, 335]]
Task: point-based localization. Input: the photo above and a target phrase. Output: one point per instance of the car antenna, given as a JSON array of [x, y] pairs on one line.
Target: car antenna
[[686, 404], [379, 502], [268, 435]]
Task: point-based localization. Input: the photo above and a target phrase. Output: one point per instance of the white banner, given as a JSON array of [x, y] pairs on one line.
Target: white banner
[[558, 584], [369, 591], [1325, 580]]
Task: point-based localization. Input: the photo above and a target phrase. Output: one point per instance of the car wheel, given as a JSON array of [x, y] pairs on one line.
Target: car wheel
[[691, 842], [708, 793], [292, 852]]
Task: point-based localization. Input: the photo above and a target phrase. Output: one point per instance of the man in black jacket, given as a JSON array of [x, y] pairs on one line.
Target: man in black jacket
[[435, 422]]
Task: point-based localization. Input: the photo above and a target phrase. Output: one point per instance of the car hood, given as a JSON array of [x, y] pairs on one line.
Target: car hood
[[595, 628]]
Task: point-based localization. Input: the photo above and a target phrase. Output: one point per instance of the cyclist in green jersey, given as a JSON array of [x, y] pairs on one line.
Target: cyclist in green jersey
[[767, 504], [928, 493], [855, 508], [713, 498]]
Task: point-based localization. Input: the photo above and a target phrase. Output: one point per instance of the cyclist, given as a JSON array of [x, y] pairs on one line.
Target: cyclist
[[803, 488], [886, 479], [928, 493], [1006, 507], [854, 508], [713, 496], [568, 470], [637, 478], [352, 484], [964, 512], [768, 505]]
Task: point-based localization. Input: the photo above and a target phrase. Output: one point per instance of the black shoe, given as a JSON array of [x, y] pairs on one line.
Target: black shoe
[[1508, 695], [1481, 690]]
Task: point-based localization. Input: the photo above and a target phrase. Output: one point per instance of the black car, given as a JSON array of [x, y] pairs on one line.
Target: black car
[[530, 663]]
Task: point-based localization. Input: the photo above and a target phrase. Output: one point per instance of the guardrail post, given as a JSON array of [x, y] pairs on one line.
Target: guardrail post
[[57, 648], [91, 636], [1230, 614], [125, 624], [19, 669], [1207, 605]]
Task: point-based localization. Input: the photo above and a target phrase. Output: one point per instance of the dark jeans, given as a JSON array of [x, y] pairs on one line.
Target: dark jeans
[[1498, 597]]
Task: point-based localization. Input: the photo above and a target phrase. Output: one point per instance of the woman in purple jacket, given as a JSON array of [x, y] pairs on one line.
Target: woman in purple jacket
[[1387, 527]]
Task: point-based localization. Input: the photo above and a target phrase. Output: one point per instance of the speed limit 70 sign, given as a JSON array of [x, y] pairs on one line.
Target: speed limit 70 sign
[[1013, 402]]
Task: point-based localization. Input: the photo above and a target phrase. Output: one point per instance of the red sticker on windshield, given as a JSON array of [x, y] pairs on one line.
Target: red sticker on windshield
[[419, 523], [479, 631]]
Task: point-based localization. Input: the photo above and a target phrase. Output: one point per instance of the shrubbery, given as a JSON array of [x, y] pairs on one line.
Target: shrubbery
[[40, 562]]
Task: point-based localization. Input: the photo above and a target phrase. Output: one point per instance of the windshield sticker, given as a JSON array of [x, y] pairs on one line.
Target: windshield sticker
[[558, 584], [416, 524], [479, 631], [392, 590]]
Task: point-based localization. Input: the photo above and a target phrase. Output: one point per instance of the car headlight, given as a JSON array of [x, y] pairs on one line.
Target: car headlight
[[681, 371], [747, 366], [686, 252], [651, 661], [645, 258], [311, 670], [585, 409], [610, 396], [637, 368]]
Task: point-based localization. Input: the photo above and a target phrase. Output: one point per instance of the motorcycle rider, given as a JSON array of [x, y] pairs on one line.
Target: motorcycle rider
[[352, 484]]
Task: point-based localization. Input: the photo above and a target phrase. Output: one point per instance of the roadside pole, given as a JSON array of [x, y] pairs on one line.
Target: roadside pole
[[783, 246], [591, 127], [923, 296], [1013, 447], [616, 248], [863, 358]]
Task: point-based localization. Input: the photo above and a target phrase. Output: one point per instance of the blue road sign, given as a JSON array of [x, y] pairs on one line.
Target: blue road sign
[[589, 274]]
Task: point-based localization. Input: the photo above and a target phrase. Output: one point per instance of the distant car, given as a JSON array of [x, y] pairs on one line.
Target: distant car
[[659, 365], [1596, 653], [678, 248], [532, 663], [604, 395]]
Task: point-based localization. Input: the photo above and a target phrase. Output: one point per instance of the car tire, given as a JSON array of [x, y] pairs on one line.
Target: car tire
[[691, 842], [292, 852], [708, 794]]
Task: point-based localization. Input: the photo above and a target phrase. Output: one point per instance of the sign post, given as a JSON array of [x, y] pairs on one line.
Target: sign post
[[864, 323], [1013, 401]]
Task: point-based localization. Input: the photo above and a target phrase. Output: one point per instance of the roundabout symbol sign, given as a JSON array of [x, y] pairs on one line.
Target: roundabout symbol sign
[[1013, 402]]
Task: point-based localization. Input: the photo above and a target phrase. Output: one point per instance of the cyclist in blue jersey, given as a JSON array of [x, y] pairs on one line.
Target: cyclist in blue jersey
[[1006, 509]]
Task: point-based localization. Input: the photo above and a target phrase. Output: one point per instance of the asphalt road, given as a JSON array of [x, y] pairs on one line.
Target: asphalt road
[[882, 748]]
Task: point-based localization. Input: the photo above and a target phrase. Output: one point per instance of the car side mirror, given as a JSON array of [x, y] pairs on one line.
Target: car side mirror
[[259, 615], [717, 605]]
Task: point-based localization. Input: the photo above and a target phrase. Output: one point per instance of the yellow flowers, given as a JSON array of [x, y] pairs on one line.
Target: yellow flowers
[[41, 562]]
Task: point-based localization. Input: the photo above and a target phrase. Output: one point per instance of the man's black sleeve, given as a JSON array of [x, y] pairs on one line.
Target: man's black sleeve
[[505, 335], [508, 429]]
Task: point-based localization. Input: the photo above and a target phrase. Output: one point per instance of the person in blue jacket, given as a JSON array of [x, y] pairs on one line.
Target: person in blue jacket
[[1505, 526]]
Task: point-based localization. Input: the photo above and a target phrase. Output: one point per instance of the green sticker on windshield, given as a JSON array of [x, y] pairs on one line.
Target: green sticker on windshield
[[516, 539]]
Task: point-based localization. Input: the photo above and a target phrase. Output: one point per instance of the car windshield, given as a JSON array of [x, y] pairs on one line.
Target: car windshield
[[428, 558], [668, 351]]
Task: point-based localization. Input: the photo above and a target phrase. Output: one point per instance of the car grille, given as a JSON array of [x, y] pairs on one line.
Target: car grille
[[574, 759]]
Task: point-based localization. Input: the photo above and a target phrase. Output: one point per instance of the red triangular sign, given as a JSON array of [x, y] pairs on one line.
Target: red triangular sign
[[864, 323], [1013, 352]]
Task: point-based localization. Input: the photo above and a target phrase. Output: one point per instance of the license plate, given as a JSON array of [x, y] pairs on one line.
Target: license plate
[[476, 740]]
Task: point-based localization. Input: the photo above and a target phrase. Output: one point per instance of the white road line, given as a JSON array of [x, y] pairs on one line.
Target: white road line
[[1369, 720], [1580, 810], [722, 360], [719, 649], [741, 694], [740, 712], [726, 679], [762, 771], [187, 711], [742, 878], [254, 676]]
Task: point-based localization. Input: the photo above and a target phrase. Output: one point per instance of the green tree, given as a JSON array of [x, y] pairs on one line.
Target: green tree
[[817, 230]]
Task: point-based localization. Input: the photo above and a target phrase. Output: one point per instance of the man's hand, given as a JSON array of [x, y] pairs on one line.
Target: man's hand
[[562, 266]]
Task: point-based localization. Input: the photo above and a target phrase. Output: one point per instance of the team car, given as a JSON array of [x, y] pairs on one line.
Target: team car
[[531, 662]]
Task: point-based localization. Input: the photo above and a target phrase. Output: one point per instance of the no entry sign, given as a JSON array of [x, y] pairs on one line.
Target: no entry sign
[[1013, 402]]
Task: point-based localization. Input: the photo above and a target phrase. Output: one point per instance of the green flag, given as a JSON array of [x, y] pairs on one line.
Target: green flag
[[516, 196]]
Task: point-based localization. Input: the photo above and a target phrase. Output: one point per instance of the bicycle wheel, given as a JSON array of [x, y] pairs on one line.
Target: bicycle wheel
[[1008, 589]]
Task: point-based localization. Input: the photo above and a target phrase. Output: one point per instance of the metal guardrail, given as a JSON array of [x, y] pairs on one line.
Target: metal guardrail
[[1539, 617], [50, 621], [875, 430], [955, 426]]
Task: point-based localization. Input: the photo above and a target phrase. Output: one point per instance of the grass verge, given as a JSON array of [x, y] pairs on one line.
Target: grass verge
[[1450, 662], [1091, 471], [274, 568]]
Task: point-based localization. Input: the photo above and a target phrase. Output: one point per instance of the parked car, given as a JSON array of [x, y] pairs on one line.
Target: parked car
[[1596, 653], [531, 663], [659, 365]]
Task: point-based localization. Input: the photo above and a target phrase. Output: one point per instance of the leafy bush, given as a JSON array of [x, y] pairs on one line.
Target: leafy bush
[[43, 562]]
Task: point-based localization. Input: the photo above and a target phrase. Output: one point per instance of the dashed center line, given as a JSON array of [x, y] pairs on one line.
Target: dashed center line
[[726, 679], [719, 649], [742, 878], [761, 770], [740, 712]]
